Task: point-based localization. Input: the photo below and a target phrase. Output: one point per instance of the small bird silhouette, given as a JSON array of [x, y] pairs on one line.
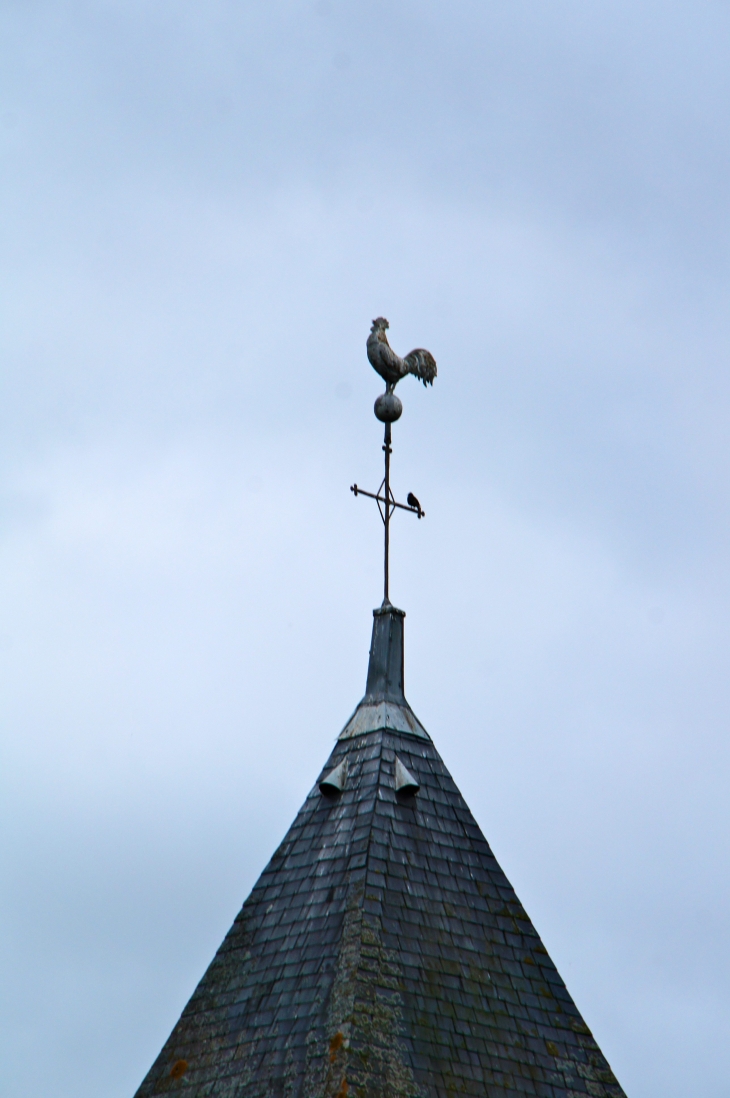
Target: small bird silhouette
[[391, 366], [413, 502]]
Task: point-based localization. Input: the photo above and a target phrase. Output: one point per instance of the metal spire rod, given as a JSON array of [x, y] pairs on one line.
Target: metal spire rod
[[387, 504], [388, 513]]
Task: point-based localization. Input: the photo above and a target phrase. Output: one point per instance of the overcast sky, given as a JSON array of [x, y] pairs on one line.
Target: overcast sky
[[202, 206]]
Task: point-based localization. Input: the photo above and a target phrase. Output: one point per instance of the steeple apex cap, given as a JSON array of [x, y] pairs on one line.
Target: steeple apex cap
[[384, 704], [385, 669]]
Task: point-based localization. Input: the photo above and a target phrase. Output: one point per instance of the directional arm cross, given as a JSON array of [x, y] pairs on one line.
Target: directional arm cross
[[387, 504]]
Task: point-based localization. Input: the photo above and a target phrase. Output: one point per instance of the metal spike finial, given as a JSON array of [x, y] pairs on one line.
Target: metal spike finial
[[388, 408]]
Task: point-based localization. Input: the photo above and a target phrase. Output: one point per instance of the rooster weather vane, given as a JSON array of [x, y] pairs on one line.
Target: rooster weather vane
[[388, 409]]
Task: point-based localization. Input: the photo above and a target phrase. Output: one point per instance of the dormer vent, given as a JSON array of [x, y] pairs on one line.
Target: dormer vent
[[334, 782], [404, 780]]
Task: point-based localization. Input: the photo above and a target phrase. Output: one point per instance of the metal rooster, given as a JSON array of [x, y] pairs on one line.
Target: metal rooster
[[391, 366]]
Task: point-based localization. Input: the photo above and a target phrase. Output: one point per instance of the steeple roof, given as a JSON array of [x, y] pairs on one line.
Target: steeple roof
[[382, 953]]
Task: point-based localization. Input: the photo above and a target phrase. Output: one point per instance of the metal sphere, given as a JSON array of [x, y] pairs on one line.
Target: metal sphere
[[388, 408]]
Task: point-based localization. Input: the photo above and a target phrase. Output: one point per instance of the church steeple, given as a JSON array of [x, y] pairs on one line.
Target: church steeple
[[382, 953]]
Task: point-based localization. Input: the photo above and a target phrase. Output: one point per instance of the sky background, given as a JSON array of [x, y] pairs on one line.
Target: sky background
[[202, 206]]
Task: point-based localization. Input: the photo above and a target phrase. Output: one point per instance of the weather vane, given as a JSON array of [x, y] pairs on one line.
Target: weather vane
[[388, 409]]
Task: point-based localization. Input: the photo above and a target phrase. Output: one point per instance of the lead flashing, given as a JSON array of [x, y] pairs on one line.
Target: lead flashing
[[375, 716]]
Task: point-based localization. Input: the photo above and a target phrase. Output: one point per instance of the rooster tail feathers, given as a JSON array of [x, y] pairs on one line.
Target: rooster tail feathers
[[422, 364]]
